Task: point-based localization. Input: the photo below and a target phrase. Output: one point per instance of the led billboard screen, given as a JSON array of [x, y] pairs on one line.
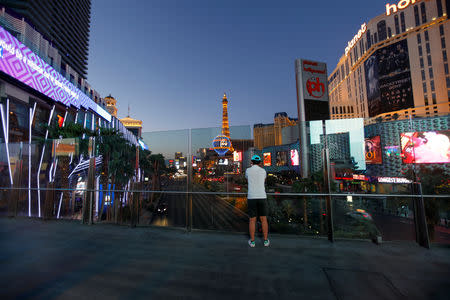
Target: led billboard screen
[[282, 158], [425, 147], [19, 62], [295, 160], [267, 159], [373, 150], [388, 79], [237, 156]]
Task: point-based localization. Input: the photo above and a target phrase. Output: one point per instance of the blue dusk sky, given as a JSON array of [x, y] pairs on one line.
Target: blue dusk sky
[[172, 60]]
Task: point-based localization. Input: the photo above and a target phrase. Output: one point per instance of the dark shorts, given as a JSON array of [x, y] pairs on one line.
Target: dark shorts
[[257, 207]]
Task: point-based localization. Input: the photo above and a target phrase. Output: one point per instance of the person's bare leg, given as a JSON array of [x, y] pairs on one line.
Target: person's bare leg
[[252, 228], [265, 226]]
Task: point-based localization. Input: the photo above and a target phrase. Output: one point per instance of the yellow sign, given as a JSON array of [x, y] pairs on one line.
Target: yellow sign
[[65, 147]]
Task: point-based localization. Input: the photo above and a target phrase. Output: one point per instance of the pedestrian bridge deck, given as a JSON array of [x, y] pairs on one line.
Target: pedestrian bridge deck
[[66, 260]]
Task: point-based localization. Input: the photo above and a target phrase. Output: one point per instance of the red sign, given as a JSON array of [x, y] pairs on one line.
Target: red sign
[[315, 88]]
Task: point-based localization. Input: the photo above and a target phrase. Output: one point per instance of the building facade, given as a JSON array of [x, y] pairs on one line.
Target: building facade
[[133, 125], [25, 33], [111, 105], [396, 66], [64, 23], [33, 97], [266, 135]]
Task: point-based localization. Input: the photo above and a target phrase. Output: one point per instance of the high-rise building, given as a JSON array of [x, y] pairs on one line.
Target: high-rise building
[[267, 135], [64, 23], [396, 66], [111, 105], [225, 125], [133, 125]]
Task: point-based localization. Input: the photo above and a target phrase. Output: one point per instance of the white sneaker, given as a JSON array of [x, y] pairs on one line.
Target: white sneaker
[[266, 243], [251, 243]]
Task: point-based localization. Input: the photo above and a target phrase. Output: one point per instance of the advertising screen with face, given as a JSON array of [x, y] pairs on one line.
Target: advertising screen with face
[[373, 150], [388, 79], [282, 158], [426, 147], [295, 161], [267, 159]]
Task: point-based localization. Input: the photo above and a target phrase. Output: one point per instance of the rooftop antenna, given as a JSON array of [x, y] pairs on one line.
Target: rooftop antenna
[[128, 109]]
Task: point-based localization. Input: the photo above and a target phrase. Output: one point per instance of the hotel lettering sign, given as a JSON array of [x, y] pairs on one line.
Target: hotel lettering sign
[[356, 38], [390, 9], [393, 8]]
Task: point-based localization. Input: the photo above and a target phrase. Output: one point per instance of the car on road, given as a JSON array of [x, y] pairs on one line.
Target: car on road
[[360, 214], [162, 209]]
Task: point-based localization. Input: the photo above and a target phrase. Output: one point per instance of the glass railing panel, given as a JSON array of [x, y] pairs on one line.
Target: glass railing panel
[[286, 214], [221, 212], [426, 149], [219, 161], [169, 151], [302, 215], [163, 209], [437, 212], [373, 217]]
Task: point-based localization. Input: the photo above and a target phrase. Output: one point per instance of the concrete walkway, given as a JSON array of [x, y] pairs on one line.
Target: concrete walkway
[[66, 260]]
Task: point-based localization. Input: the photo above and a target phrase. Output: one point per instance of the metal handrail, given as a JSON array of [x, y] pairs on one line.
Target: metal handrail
[[231, 194]]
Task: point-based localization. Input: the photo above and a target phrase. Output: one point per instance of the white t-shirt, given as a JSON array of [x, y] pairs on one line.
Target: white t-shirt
[[256, 177]]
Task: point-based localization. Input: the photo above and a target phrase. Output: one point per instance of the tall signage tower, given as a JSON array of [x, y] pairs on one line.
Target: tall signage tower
[[221, 143], [312, 101], [225, 125]]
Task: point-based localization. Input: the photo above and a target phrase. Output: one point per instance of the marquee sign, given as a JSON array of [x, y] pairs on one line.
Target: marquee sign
[[19, 62], [314, 79]]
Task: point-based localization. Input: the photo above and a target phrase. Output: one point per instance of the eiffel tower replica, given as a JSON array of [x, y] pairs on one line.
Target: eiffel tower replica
[[225, 125]]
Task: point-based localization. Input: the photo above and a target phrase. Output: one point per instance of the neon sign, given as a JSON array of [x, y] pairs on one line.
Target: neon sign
[[393, 180], [19, 62], [356, 38], [221, 144], [392, 8]]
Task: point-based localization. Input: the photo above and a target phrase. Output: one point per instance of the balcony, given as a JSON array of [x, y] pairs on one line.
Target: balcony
[[65, 260], [178, 227]]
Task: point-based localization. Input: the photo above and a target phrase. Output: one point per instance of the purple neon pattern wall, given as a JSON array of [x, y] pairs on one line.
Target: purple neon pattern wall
[[21, 63]]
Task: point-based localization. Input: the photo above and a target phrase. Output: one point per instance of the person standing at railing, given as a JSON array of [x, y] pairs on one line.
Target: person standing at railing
[[257, 200]]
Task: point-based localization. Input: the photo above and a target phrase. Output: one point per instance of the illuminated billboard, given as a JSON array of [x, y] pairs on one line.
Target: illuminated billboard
[[237, 156], [388, 79], [223, 161], [425, 147], [65, 147], [267, 159], [312, 89], [295, 161], [373, 150], [282, 158], [19, 62]]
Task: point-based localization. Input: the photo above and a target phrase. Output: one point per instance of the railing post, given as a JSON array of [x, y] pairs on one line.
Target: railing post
[[189, 195], [326, 179], [189, 184], [49, 201], [88, 199], [134, 207], [420, 219], [14, 193]]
